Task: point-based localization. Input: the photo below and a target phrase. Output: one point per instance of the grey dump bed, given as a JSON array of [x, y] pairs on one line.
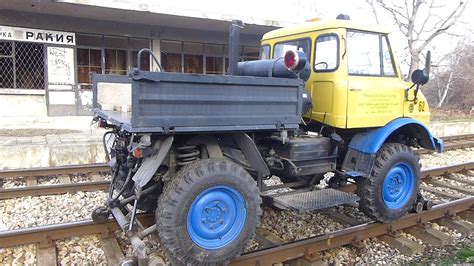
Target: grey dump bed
[[174, 102]]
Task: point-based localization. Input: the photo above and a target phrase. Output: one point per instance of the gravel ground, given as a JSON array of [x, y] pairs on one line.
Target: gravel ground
[[84, 250], [48, 180], [43, 210], [12, 182], [18, 255], [447, 158], [455, 183], [433, 197], [290, 226]]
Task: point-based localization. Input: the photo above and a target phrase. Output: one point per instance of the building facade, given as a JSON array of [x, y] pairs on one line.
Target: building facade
[[48, 49]]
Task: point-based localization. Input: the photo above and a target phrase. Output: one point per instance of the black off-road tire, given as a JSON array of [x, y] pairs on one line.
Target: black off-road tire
[[370, 189], [177, 197]]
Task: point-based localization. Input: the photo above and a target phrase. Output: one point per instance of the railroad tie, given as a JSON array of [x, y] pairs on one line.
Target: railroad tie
[[429, 235], [457, 224], [31, 181], [341, 217], [266, 238], [440, 193], [467, 215], [112, 250], [46, 255], [463, 190], [97, 177], [64, 179], [46, 252], [403, 244], [461, 180]]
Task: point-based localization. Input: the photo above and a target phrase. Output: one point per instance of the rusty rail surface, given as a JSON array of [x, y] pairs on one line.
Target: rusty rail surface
[[46, 234], [41, 190], [56, 170]]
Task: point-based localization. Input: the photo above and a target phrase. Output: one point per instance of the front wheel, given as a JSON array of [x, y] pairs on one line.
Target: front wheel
[[208, 212], [392, 188]]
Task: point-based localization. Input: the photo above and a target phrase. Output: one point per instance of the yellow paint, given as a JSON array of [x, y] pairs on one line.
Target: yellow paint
[[350, 101]]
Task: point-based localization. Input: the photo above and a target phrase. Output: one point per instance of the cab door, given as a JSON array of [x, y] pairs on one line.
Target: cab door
[[375, 89], [328, 84]]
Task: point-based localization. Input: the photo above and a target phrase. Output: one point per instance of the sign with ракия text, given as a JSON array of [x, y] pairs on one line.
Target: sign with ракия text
[[37, 35]]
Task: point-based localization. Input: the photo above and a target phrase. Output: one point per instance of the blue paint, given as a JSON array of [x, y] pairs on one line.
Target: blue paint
[[371, 141], [216, 217], [398, 186]]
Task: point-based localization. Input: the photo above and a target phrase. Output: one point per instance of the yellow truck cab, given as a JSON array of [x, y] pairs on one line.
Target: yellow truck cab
[[355, 80]]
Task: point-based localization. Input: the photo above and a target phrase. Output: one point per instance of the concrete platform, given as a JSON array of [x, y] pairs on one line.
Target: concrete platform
[[54, 141], [49, 141], [442, 129]]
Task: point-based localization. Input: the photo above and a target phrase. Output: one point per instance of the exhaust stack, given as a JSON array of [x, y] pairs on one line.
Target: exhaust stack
[[234, 43]]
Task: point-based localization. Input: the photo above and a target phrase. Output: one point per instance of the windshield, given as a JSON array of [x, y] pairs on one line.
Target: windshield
[[299, 45]]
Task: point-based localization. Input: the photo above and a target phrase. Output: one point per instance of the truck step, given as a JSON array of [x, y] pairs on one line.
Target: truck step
[[304, 200]]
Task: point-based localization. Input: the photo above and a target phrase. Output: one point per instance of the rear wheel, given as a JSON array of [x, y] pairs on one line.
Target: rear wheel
[[208, 212], [392, 188]]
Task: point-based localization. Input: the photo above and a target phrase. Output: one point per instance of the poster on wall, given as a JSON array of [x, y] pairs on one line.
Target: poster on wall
[[61, 66]]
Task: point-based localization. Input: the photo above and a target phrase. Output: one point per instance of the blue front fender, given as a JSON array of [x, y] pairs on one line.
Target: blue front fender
[[363, 147], [371, 141]]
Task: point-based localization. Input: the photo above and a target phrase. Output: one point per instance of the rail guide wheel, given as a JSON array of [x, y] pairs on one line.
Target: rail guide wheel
[[391, 190], [208, 212]]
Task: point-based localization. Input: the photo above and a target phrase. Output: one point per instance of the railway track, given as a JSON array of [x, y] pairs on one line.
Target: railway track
[[275, 250], [454, 142]]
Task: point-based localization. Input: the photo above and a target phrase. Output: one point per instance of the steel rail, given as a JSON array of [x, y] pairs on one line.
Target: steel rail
[[41, 190], [310, 246], [48, 233], [56, 170]]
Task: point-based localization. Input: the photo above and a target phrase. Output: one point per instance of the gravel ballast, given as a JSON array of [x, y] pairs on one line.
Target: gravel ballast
[[51, 209]]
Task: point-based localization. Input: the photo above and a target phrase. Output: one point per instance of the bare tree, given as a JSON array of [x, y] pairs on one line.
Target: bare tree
[[419, 20], [453, 79]]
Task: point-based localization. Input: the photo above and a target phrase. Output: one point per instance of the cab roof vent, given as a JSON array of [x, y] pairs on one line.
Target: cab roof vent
[[343, 17]]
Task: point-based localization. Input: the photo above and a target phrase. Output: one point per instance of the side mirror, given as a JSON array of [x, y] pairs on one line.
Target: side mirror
[[419, 76]]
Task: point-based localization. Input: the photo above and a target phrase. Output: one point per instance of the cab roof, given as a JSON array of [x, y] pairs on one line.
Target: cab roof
[[322, 25]]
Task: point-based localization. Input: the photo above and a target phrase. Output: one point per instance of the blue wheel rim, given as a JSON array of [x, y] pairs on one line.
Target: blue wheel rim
[[216, 217], [398, 186]]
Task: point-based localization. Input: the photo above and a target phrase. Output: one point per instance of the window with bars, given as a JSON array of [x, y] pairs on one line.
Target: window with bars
[[115, 62], [88, 60], [188, 57], [21, 65]]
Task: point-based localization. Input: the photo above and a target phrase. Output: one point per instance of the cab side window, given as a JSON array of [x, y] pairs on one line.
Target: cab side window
[[368, 54], [265, 52], [326, 53], [303, 45]]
